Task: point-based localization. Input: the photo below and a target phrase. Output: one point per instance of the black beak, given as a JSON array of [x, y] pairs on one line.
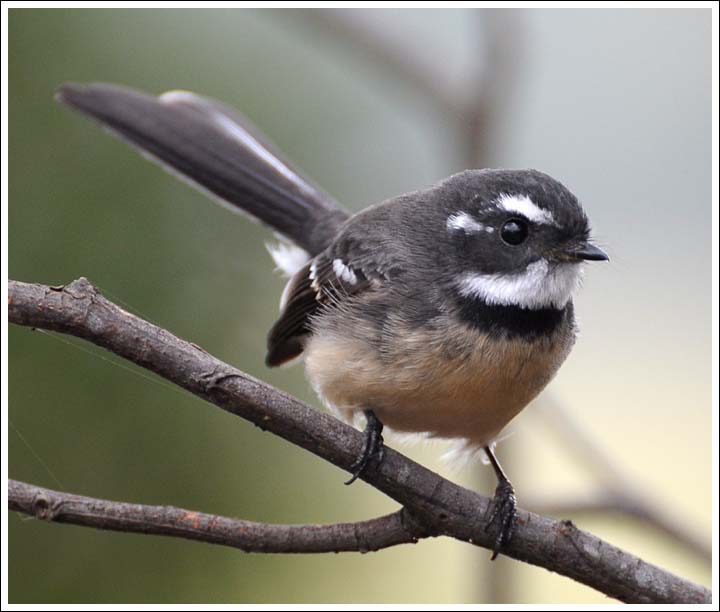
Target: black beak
[[588, 252]]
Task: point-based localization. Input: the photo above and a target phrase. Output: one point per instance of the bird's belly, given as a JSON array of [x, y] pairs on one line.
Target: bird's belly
[[466, 387]]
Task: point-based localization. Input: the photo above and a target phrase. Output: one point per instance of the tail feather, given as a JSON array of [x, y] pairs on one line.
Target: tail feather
[[218, 151]]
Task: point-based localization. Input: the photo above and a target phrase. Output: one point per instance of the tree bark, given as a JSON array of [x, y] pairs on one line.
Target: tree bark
[[433, 505]]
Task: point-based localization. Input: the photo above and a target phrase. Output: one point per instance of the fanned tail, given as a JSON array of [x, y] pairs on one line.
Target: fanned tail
[[218, 151]]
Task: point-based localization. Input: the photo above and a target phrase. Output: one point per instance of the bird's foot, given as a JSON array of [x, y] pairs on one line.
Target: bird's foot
[[373, 447], [503, 515]]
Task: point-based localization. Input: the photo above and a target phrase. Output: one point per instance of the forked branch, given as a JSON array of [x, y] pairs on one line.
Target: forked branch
[[431, 504]]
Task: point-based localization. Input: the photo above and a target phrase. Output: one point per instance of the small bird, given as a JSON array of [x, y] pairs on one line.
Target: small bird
[[440, 312]]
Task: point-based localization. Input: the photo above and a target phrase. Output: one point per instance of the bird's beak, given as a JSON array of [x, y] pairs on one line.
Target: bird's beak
[[587, 252]]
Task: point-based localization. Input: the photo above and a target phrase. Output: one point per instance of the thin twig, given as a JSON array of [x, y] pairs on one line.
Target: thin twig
[[436, 505], [249, 536]]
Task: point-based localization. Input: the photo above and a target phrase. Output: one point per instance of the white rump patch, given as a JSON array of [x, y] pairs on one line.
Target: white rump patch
[[344, 272], [289, 258], [462, 221], [523, 205], [540, 285]]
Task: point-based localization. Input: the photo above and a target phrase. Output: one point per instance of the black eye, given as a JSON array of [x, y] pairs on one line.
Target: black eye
[[514, 231]]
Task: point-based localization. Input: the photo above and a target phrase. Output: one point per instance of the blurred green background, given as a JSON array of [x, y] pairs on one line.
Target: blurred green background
[[615, 103]]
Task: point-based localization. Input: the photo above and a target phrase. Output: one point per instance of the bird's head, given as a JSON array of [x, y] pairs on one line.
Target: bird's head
[[517, 237]]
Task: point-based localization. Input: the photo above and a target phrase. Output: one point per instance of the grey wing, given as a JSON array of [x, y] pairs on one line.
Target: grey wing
[[217, 150], [327, 281]]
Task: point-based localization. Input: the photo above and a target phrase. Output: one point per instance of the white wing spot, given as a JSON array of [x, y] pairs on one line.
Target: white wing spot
[[344, 272]]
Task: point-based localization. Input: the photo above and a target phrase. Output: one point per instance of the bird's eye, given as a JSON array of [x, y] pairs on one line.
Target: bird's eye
[[514, 231]]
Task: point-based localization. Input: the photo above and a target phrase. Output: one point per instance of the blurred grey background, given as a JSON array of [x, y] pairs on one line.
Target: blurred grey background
[[614, 103]]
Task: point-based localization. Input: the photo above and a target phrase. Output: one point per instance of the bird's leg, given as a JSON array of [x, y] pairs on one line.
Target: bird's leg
[[373, 447], [504, 507]]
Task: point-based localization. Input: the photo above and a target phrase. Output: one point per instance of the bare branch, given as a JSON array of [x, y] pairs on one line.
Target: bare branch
[[436, 505], [249, 536]]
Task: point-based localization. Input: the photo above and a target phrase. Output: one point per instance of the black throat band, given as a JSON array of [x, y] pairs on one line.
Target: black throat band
[[512, 321]]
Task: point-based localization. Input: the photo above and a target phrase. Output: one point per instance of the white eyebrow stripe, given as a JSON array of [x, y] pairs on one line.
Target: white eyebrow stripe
[[523, 205], [538, 286], [467, 223]]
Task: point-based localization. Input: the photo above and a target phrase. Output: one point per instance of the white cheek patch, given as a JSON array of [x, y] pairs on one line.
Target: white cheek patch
[[344, 272], [464, 222], [523, 205], [538, 286]]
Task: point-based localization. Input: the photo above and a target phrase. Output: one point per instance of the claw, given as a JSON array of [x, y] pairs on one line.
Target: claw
[[373, 447], [504, 507], [504, 515]]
